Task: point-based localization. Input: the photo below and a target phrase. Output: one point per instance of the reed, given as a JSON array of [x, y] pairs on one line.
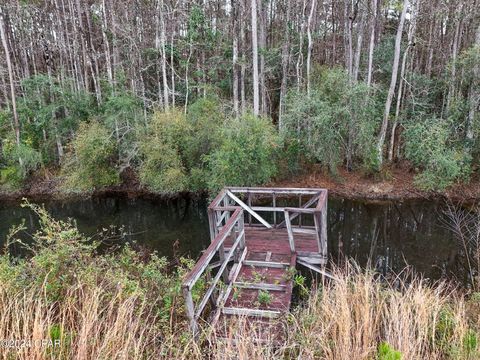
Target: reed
[[120, 306]]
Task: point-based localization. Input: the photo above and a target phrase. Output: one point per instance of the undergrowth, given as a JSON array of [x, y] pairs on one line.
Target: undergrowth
[[121, 305]]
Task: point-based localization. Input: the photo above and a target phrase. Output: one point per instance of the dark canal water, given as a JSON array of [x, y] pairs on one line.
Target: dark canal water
[[388, 234]]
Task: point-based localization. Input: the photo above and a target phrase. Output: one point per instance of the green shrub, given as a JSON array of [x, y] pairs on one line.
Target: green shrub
[[387, 352], [61, 259], [336, 124], [18, 162], [176, 145], [91, 163], [429, 147], [247, 155], [206, 120], [162, 166]]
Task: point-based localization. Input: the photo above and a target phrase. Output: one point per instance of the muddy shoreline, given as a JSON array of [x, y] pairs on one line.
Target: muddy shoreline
[[398, 186]]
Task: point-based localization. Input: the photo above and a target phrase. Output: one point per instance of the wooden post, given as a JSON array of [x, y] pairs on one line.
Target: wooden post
[[274, 203], [241, 227], [323, 234], [190, 308], [300, 215], [208, 276], [289, 231], [212, 222], [318, 229], [249, 202]]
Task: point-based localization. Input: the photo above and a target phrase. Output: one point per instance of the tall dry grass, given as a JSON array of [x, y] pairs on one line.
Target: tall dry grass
[[348, 319], [345, 319], [119, 306]]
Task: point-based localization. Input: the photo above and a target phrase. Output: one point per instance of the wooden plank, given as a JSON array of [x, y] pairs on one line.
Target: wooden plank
[[269, 256], [204, 260], [306, 205], [300, 210], [314, 260], [268, 208], [260, 286], [304, 231], [251, 312], [217, 199], [317, 269], [222, 298], [220, 272], [289, 191], [234, 273], [274, 203], [317, 221], [248, 209], [265, 264], [289, 230], [219, 221]]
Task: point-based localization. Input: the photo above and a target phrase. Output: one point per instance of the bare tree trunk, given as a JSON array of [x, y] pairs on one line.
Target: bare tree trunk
[[474, 99], [393, 82], [285, 61], [92, 56], [411, 34], [16, 124], [356, 62], [451, 89], [255, 58], [108, 61], [158, 47], [172, 69], [372, 43], [263, 45], [235, 59], [164, 55], [300, 49], [310, 44], [243, 47]]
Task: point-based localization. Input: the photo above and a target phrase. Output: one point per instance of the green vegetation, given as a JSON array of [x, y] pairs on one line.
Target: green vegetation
[[337, 123], [198, 101], [206, 147], [429, 146], [385, 352], [65, 289], [91, 164], [246, 155], [264, 297]]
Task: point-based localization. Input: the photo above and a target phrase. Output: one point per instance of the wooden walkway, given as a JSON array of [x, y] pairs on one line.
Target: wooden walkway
[[257, 239]]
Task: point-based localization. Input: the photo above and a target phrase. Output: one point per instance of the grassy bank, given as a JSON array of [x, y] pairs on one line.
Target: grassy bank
[[126, 305]]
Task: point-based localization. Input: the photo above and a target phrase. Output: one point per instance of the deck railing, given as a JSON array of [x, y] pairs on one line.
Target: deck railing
[[312, 205], [226, 220], [216, 294]]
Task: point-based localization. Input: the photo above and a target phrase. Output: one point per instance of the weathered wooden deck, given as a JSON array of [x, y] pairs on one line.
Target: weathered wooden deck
[[250, 263]]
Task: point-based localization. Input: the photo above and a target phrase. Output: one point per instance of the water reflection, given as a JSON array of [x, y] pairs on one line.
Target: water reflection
[[388, 234], [391, 235]]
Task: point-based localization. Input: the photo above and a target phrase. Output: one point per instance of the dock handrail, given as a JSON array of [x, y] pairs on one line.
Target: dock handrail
[[234, 223], [311, 203]]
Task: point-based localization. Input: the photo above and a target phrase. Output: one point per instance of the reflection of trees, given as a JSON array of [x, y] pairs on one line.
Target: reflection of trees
[[465, 224]]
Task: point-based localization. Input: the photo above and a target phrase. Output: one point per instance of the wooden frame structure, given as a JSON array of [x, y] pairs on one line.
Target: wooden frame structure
[[246, 221], [311, 202]]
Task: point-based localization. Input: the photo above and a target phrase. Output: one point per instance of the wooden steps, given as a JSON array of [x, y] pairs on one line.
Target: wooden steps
[[260, 295]]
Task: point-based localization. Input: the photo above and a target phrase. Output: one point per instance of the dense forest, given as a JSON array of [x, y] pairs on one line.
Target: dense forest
[[192, 95]]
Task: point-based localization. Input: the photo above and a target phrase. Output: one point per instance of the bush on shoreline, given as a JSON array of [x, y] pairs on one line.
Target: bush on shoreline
[[91, 163]]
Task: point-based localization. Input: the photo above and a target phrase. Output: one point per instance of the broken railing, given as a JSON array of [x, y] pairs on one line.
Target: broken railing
[[262, 207], [216, 294]]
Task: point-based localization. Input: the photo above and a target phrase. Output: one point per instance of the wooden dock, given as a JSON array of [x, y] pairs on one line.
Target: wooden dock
[[258, 237]]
